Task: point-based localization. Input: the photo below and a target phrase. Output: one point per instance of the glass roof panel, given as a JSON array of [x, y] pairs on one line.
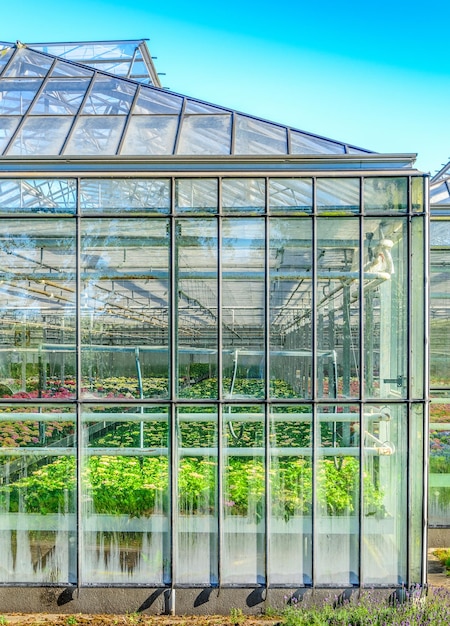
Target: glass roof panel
[[257, 137], [17, 94], [7, 127], [192, 106], [302, 143], [41, 135], [61, 97], [153, 134], [28, 63], [156, 101], [67, 70], [109, 96], [205, 134], [439, 193], [96, 135], [5, 55], [115, 57]]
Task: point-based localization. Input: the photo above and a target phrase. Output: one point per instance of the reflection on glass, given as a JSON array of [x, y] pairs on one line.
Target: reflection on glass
[[124, 305], [290, 195], [338, 195], [196, 195], [439, 479], [290, 308], [118, 195], [385, 307], [37, 287], [197, 560], [384, 542], [197, 308], [38, 196], [38, 494], [243, 245], [243, 553], [337, 307], [290, 541], [385, 194], [243, 195], [125, 485], [336, 551]]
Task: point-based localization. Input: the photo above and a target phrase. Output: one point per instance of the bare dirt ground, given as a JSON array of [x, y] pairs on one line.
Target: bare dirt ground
[[37, 619]]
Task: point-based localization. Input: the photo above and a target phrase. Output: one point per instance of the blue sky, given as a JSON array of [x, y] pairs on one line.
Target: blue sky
[[372, 74]]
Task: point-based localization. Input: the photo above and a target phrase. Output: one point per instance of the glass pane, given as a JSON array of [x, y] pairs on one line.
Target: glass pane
[[37, 284], [125, 495], [290, 307], [16, 95], [96, 135], [416, 481], [290, 553], [28, 63], [290, 195], [243, 555], [302, 143], [154, 134], [196, 195], [61, 97], [440, 304], [7, 127], [257, 137], [385, 194], [205, 134], [197, 559], [418, 287], [336, 551], [194, 106], [124, 308], [439, 478], [136, 195], [109, 96], [385, 514], [151, 101], [418, 194], [61, 69], [197, 308], [5, 55], [41, 136], [243, 308], [385, 307], [243, 195], [38, 494], [51, 196], [337, 307], [338, 195]]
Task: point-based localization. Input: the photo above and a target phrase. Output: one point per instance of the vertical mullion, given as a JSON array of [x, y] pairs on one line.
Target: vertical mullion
[[268, 405], [362, 425], [220, 466], [409, 251], [314, 533], [79, 534], [173, 376], [426, 379]]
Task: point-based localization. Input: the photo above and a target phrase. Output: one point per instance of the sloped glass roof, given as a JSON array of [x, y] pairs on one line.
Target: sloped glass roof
[[128, 59], [55, 107], [440, 186]]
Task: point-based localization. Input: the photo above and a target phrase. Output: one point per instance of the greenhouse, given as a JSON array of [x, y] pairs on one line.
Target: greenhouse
[[213, 375]]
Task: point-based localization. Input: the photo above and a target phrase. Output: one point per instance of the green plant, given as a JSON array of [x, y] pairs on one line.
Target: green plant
[[71, 620], [236, 616]]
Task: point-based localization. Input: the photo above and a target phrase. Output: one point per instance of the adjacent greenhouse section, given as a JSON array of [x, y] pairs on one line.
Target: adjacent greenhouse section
[[212, 369], [439, 486]]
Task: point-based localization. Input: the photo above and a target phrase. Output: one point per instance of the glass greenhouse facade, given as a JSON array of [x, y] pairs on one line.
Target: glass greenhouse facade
[[212, 358]]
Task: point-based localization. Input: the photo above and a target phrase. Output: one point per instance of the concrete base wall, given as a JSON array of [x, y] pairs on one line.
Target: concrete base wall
[[164, 601], [439, 537]]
